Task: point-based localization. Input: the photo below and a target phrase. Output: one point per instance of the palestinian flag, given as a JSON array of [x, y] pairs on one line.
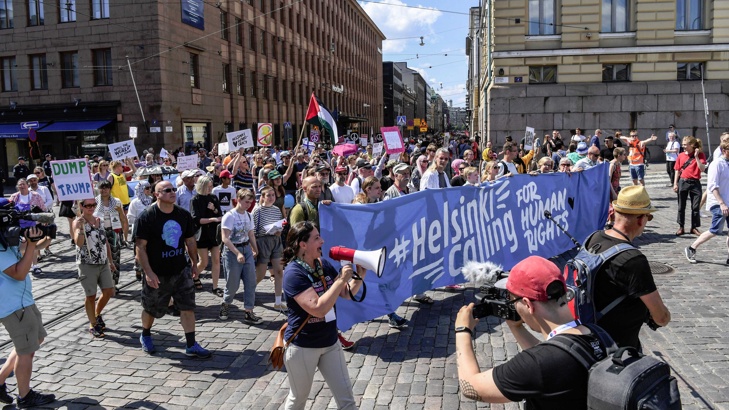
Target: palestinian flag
[[318, 115]]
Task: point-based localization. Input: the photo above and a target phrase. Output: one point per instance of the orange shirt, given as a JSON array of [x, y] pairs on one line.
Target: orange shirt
[[635, 155]]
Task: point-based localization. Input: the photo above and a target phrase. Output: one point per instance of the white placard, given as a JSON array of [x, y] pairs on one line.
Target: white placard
[[72, 179], [393, 140], [377, 148], [163, 153], [122, 150], [223, 148], [528, 138], [132, 132], [186, 162], [363, 141], [239, 139]]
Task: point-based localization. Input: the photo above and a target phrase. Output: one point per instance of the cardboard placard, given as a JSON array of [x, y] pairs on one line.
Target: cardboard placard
[[265, 135], [186, 162], [377, 148], [528, 138], [238, 139], [72, 179], [122, 150], [393, 140], [163, 153]]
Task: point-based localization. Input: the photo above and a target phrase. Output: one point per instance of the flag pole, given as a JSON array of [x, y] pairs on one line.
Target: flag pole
[[301, 134]]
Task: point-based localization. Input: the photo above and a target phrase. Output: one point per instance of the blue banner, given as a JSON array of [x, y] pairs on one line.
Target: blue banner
[[193, 13], [430, 235]]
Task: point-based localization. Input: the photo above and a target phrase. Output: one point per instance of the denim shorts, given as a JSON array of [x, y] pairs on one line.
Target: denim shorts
[[717, 220], [637, 172]]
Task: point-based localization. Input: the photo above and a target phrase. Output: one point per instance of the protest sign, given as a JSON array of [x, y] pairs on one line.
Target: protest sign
[[265, 135], [132, 132], [72, 179], [122, 150], [377, 148], [308, 146], [431, 234], [223, 148], [186, 162], [239, 139], [363, 141], [393, 140], [163, 153], [528, 138], [314, 135]]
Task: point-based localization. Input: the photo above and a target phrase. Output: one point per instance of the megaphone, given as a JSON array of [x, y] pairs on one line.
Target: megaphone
[[370, 260]]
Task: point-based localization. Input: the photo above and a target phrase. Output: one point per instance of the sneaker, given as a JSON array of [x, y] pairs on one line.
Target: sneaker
[[47, 252], [4, 396], [147, 344], [282, 306], [690, 254], [252, 319], [97, 332], [397, 322], [346, 344], [197, 351], [37, 270], [100, 322], [35, 399], [224, 309]]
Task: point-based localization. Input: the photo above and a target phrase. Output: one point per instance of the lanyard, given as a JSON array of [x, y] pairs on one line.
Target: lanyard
[[571, 325]]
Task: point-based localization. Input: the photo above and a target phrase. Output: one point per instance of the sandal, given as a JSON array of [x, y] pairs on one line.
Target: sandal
[[198, 284], [219, 292], [426, 300]]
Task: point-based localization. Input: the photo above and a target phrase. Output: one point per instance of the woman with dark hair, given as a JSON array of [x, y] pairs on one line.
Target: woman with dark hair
[[312, 287]]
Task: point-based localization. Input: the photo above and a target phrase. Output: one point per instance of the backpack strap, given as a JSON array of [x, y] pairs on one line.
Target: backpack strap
[[610, 253], [605, 338], [577, 351]]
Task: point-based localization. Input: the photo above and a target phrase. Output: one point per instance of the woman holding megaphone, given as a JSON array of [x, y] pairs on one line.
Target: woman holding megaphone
[[312, 287]]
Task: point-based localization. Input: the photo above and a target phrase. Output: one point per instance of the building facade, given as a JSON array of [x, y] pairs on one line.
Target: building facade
[[182, 72], [608, 64]]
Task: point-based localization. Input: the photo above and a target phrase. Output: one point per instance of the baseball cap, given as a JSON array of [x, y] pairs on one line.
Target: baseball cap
[[582, 148], [322, 168], [273, 174], [21, 158], [225, 174], [362, 163], [340, 169], [284, 154], [399, 168], [189, 173], [535, 278], [31, 176]]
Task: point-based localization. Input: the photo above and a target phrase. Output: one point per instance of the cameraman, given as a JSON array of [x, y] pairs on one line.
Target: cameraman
[[542, 374], [22, 320]]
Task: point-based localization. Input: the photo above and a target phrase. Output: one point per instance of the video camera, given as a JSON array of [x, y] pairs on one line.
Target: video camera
[[493, 301], [10, 223]]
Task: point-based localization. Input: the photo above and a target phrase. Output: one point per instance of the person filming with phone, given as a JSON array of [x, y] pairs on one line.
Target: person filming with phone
[[538, 295]]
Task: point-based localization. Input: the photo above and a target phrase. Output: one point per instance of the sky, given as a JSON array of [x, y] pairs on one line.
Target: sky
[[442, 60]]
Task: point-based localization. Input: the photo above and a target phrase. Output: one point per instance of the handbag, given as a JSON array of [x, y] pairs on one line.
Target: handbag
[[276, 357]]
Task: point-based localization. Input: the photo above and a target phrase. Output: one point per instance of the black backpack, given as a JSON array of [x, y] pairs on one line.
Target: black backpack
[[623, 383]]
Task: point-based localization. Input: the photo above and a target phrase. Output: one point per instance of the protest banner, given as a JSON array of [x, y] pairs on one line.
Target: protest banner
[[431, 234], [265, 135], [223, 148], [186, 162], [163, 153], [122, 150], [393, 140], [239, 139], [72, 178], [377, 148], [528, 139]]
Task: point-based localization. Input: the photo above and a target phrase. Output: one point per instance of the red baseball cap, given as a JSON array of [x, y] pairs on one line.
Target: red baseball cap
[[225, 174], [340, 169], [531, 277]]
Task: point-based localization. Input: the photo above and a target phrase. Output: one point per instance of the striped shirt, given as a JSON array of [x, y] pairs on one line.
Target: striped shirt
[[265, 215], [243, 180]]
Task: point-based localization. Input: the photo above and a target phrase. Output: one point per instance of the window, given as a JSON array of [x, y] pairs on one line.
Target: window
[[67, 10], [541, 17], [283, 52], [689, 71], [238, 31], [274, 47], [543, 74], [36, 16], [615, 16], [224, 25], [251, 37], [102, 67], [99, 9], [615, 72], [262, 43], [253, 85], [9, 74], [226, 78], [689, 14], [6, 14], [69, 69], [241, 82], [39, 72], [263, 84], [275, 89], [194, 70]]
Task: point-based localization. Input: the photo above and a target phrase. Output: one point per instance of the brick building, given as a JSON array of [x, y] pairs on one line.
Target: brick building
[[201, 69], [609, 64]]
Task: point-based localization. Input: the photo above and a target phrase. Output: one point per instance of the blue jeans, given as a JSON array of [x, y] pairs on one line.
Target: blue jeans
[[235, 272]]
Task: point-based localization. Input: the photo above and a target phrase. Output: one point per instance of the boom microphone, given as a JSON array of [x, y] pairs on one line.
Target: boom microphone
[[482, 273], [43, 217], [548, 215]]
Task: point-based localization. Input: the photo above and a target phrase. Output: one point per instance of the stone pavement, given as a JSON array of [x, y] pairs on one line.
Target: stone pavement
[[413, 368]]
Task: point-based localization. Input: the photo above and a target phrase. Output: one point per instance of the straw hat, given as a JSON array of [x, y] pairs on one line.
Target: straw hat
[[633, 200]]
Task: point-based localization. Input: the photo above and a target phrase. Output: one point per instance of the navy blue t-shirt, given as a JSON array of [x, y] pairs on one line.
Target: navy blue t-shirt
[[317, 332]]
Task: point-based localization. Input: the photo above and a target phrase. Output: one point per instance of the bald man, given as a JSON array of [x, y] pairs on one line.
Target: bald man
[[306, 210]]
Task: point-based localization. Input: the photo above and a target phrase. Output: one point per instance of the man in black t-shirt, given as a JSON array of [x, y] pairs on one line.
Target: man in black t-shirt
[[167, 272], [543, 374], [607, 153], [286, 169], [628, 273]]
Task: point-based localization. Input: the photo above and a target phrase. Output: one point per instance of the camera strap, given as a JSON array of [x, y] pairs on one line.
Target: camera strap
[[562, 328]]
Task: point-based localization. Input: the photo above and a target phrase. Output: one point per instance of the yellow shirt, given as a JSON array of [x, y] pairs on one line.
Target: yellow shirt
[[119, 189]]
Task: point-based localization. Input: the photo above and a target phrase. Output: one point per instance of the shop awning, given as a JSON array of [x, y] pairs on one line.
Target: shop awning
[[62, 126], [15, 130]]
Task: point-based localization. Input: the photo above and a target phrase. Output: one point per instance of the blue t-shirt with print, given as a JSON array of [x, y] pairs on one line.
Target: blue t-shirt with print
[[15, 294], [317, 332]]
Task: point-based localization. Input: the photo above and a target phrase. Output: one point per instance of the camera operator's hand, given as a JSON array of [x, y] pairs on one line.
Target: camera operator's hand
[[34, 234], [465, 317]]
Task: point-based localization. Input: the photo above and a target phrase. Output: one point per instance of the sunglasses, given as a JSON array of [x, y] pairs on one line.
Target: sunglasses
[[147, 188], [37, 173], [168, 190], [89, 206], [461, 168]]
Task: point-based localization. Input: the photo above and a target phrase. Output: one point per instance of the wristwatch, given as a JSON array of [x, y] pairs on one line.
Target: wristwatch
[[460, 329]]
